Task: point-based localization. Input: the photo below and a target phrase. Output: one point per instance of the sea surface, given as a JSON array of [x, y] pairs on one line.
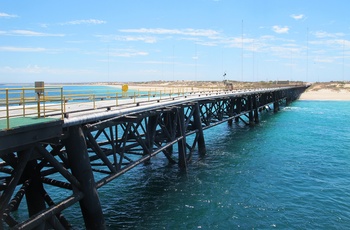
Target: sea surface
[[291, 171]]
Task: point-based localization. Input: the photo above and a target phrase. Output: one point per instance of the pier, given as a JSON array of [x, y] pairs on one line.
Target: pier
[[73, 149]]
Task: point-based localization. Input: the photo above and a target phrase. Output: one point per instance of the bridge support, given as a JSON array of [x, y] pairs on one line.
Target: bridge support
[[231, 111], [250, 108], [169, 122], [151, 132], [80, 164], [288, 100], [256, 112], [198, 125], [35, 191], [276, 106], [182, 142], [238, 108]]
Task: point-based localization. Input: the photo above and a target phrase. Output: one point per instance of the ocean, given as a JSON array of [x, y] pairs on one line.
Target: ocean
[[290, 171]]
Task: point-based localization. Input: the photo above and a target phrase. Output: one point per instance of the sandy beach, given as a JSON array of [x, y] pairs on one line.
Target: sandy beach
[[327, 92], [326, 95]]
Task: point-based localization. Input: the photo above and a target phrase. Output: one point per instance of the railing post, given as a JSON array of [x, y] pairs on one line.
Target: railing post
[[44, 104], [64, 104], [7, 109], [24, 103], [62, 112], [38, 104], [116, 99]]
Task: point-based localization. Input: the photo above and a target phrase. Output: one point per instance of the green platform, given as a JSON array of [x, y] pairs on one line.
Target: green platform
[[17, 122], [27, 131]]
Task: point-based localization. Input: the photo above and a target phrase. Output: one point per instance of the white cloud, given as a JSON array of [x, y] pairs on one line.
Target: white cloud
[[323, 34], [127, 53], [146, 39], [5, 15], [280, 30], [21, 49], [108, 38], [88, 21], [333, 44], [36, 69], [29, 33], [188, 32], [44, 25], [323, 60], [149, 35], [297, 16], [208, 43], [284, 51], [237, 42]]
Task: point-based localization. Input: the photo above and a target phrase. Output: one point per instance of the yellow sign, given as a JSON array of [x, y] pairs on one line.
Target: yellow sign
[[125, 88]]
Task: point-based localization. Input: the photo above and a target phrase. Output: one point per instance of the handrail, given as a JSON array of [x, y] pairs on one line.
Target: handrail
[[55, 102], [36, 102], [29, 102]]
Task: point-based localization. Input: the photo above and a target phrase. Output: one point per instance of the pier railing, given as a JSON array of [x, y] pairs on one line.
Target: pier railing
[[29, 102], [34, 102]]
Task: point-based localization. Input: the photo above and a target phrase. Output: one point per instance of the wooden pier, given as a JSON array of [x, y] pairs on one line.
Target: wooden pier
[[83, 149]]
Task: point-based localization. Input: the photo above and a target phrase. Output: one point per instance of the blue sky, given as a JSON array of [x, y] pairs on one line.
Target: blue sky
[[145, 40]]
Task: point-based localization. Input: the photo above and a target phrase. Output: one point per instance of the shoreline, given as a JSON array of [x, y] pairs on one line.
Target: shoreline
[[325, 95]]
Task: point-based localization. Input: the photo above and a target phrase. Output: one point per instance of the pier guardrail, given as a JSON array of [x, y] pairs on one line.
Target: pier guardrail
[[29, 102], [37, 102]]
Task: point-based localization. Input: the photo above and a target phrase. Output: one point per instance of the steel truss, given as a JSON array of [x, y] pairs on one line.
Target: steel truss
[[88, 156]]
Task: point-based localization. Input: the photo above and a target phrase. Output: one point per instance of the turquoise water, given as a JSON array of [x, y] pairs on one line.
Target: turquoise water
[[292, 171]]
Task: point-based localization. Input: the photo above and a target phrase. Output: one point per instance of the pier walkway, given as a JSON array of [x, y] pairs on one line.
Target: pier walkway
[[73, 149]]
